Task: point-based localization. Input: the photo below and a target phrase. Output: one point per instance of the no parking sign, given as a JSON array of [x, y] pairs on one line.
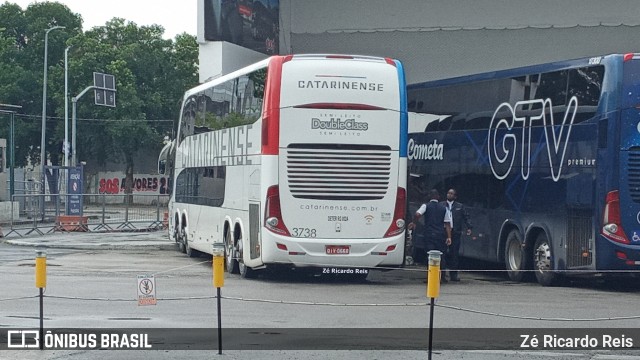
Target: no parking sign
[[146, 290]]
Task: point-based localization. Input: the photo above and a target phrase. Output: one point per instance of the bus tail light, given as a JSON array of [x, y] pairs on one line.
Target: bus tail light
[[389, 249], [612, 228], [397, 225], [272, 215], [348, 57], [621, 255]]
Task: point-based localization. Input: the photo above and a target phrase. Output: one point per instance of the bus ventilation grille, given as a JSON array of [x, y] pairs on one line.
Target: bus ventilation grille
[[338, 172], [633, 171], [579, 237]]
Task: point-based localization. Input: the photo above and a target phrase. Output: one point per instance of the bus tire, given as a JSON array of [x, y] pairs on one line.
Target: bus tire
[[359, 278], [188, 250], [515, 257], [543, 261], [231, 253], [180, 240], [245, 271]]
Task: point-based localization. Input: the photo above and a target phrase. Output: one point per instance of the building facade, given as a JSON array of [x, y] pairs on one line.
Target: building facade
[[437, 39]]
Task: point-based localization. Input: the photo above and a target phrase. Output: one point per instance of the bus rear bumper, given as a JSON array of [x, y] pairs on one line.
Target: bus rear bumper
[[312, 252], [615, 256]]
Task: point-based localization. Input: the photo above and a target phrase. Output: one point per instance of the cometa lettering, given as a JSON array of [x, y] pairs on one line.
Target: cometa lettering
[[425, 151], [341, 85]]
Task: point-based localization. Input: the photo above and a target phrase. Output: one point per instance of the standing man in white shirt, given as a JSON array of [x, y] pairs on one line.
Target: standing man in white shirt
[[437, 226]]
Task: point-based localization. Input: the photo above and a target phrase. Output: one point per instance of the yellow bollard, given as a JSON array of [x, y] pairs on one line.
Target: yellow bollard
[[433, 275], [218, 282], [41, 269], [433, 290], [41, 283], [218, 265]]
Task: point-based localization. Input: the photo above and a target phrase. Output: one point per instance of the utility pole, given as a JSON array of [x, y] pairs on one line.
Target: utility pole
[[65, 146], [43, 161]]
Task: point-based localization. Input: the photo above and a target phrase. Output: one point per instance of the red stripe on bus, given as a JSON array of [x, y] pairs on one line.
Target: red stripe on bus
[[271, 110]]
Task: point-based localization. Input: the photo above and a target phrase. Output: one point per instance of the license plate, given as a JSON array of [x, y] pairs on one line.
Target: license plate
[[337, 249]]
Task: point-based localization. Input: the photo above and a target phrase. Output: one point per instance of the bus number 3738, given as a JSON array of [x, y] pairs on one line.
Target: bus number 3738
[[304, 232]]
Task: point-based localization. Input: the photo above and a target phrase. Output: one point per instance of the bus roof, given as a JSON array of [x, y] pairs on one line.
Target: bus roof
[[265, 62], [221, 79], [520, 71]]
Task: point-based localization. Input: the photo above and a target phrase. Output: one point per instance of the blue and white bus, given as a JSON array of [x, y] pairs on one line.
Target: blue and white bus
[[546, 158], [297, 161]]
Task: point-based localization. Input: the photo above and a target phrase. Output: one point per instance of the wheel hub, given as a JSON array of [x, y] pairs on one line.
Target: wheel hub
[[543, 257], [515, 256]]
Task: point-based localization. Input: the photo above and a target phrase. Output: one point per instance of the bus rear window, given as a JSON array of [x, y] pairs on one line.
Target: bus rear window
[[631, 84], [472, 105]]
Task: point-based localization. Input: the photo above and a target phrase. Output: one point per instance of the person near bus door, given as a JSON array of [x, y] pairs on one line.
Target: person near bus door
[[436, 236], [460, 218]]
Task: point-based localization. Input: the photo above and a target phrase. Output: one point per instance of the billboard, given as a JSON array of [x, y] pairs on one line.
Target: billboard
[[253, 24]]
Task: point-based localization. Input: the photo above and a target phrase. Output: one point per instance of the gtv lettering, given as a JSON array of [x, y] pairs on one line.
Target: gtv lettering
[[503, 148]]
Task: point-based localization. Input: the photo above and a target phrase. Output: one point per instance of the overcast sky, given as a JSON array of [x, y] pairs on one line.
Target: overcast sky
[[176, 16]]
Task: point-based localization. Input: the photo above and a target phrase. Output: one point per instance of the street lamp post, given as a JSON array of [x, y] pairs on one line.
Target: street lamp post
[[74, 100], [65, 146], [44, 115], [44, 104]]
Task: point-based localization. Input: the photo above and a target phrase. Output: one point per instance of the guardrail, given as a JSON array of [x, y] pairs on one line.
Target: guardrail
[[46, 213]]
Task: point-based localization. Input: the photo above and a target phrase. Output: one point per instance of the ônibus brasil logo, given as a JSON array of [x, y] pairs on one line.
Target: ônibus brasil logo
[[61, 339]]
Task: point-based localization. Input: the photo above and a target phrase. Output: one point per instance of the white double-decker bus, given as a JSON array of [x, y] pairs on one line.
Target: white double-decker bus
[[296, 160]]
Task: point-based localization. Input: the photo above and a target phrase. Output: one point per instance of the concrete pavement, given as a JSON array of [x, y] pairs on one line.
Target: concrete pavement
[[96, 240]]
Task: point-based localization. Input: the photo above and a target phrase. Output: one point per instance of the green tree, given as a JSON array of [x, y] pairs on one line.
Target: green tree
[[21, 68], [151, 74]]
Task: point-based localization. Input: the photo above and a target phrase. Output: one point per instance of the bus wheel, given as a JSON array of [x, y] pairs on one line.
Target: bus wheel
[[187, 249], [543, 262], [515, 257], [180, 240], [231, 253], [359, 278], [245, 271]]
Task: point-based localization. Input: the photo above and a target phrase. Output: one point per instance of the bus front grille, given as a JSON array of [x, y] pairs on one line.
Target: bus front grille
[[633, 171], [338, 171]]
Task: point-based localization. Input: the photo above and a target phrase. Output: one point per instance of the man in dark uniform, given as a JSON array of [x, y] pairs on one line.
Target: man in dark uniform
[[437, 226], [460, 219]]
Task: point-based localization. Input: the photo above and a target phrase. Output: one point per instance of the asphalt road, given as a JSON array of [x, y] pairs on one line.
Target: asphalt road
[[89, 288]]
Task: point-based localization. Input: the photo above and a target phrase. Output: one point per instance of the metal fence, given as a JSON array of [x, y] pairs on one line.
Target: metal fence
[[40, 214]]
